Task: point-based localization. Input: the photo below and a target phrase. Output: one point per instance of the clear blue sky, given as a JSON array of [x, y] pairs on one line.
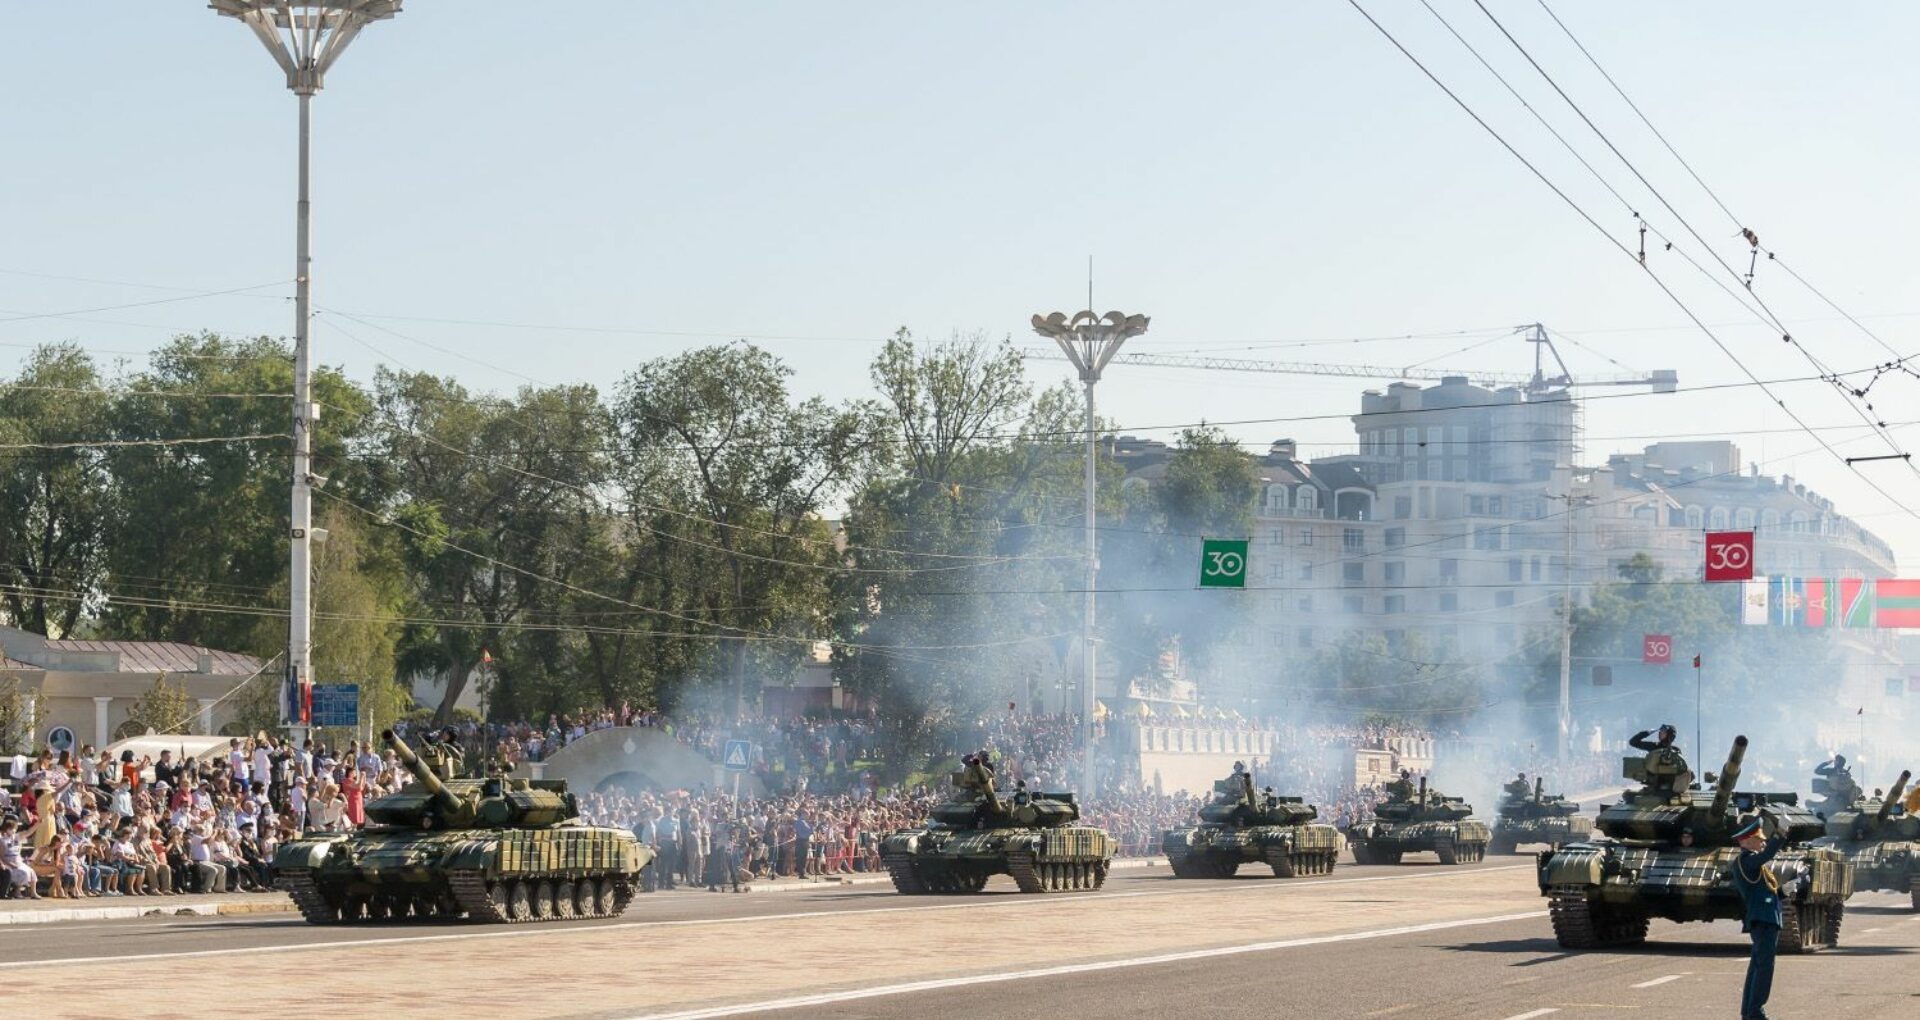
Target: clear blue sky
[[1242, 172]]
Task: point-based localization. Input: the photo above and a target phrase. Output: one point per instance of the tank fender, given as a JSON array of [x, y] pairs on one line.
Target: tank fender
[[473, 855], [1573, 865], [303, 853]]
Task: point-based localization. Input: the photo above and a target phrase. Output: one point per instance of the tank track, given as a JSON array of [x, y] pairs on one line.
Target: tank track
[[1290, 864], [906, 878], [1451, 852], [492, 902], [1810, 927], [307, 897], [1036, 876], [1577, 925], [1914, 892]]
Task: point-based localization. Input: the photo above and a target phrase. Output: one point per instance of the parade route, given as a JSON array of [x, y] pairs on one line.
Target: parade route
[[1416, 941]]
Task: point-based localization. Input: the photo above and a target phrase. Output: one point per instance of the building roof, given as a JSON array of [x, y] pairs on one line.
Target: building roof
[[163, 656]]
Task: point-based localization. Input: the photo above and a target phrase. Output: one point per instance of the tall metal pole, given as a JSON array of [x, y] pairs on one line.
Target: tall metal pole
[[1089, 341], [300, 569], [1087, 681], [1566, 642], [304, 37]]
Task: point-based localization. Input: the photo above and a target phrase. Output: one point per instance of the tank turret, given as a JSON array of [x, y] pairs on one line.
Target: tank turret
[[430, 802]]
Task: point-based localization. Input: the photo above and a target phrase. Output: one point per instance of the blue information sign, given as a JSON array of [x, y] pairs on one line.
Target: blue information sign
[[739, 754], [336, 704]]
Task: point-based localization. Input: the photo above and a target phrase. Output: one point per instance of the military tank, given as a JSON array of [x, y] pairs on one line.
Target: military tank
[[1670, 854], [1537, 817], [487, 849], [1279, 832], [1407, 823], [1881, 841], [976, 835]]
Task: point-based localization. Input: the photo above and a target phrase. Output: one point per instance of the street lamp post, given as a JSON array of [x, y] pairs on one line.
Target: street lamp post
[[305, 37], [1089, 341]]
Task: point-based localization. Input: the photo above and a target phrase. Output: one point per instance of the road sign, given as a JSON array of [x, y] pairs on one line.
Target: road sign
[[1223, 563], [1656, 649], [336, 705], [739, 755], [1729, 556]]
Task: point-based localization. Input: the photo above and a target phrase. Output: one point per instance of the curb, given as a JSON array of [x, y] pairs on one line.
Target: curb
[[131, 911]]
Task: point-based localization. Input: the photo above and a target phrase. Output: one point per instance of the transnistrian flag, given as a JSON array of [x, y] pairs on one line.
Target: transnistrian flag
[[1899, 602]]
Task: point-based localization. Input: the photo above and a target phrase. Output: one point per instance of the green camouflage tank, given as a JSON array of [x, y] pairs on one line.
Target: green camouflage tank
[[977, 835], [1279, 832], [1537, 817], [1408, 822], [1882, 842], [1670, 854], [487, 849]]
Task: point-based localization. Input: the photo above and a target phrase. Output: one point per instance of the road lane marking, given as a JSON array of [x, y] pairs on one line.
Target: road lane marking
[[1534, 1013], [1658, 981], [1866, 931], [1063, 970], [1390, 1010], [1008, 902]]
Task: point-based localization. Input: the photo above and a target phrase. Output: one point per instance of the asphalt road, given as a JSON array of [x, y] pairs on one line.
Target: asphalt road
[[1411, 941]]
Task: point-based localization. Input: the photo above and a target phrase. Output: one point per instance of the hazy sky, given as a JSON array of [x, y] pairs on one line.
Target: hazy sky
[[626, 178]]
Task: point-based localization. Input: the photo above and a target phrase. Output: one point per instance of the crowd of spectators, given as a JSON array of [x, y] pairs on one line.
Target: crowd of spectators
[[86, 825]]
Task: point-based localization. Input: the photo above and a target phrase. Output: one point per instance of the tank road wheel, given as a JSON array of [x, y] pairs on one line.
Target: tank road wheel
[[1329, 862], [519, 900], [540, 900], [597, 896], [563, 899], [1100, 873], [355, 909], [1830, 928], [1448, 852], [379, 907], [583, 905], [1914, 892], [500, 894]]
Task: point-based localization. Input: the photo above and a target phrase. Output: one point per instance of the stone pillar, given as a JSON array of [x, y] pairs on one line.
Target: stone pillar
[[206, 715], [102, 733]]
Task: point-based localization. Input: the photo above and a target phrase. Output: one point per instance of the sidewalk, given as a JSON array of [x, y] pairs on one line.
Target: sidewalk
[[114, 908]]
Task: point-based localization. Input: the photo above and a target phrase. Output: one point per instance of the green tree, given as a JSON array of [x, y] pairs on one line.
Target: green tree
[[1411, 679], [201, 527], [18, 711], [717, 457], [55, 500]]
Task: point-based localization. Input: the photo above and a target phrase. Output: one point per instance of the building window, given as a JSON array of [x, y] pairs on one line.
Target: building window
[[1503, 600], [1354, 603], [1449, 602], [1696, 518], [1396, 604], [1769, 519], [1743, 518], [1493, 506], [1306, 637], [1396, 537], [1514, 568], [1353, 539], [1304, 605], [1533, 569], [1277, 536], [1396, 572], [1353, 573], [1306, 536], [1477, 506], [1436, 441], [1717, 518], [1306, 571], [1276, 497], [1449, 570], [1459, 470], [1402, 507]]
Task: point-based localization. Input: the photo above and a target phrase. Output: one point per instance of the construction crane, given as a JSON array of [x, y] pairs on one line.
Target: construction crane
[[1664, 380]]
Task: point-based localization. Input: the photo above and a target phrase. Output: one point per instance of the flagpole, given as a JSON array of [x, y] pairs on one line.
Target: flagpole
[[1699, 742]]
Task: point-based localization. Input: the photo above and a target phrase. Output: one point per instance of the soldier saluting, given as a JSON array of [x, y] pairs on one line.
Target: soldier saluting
[[1667, 768]]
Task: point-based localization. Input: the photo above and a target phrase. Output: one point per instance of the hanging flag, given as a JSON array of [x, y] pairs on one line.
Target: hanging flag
[[1754, 601], [1786, 600], [1696, 662], [486, 657], [306, 704], [1729, 556], [1898, 602], [1856, 603], [1817, 610], [1863, 710]]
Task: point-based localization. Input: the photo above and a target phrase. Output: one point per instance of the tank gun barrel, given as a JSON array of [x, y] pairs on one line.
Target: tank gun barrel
[[1539, 788], [1423, 789], [1729, 775], [1893, 795], [441, 795]]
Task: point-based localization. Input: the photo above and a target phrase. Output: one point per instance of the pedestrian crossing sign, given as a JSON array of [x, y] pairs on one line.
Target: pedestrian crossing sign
[[739, 752]]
